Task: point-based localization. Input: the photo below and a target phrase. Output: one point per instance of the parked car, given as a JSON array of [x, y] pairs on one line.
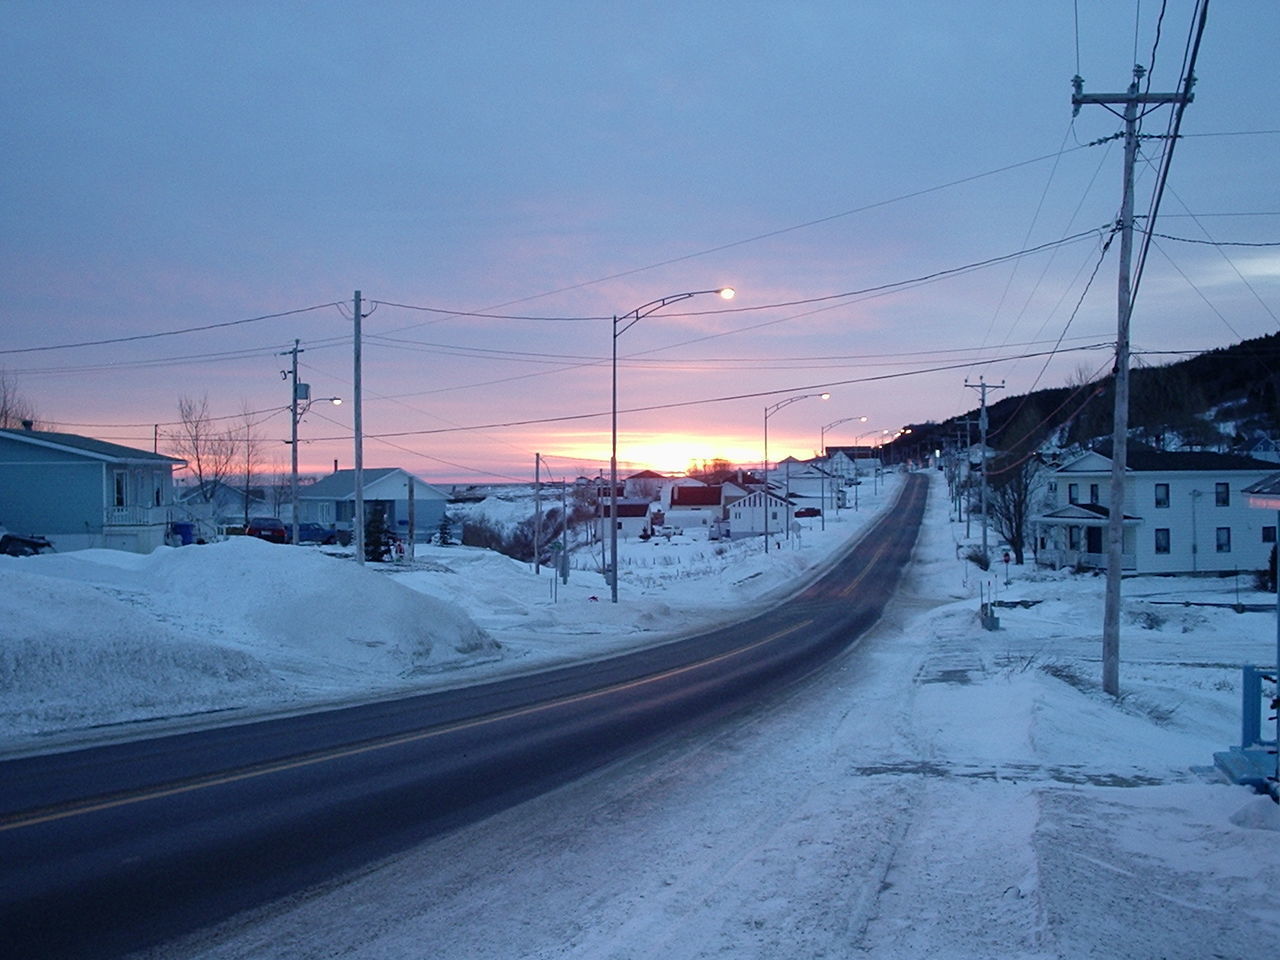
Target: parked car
[[267, 528], [808, 512], [316, 533], [15, 545]]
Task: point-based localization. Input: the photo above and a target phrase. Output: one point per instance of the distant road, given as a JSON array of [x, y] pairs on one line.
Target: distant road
[[112, 849]]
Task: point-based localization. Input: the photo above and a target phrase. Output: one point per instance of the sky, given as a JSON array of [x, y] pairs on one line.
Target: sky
[[499, 180]]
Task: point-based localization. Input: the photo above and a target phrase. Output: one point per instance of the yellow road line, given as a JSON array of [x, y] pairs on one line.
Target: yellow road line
[[62, 813]]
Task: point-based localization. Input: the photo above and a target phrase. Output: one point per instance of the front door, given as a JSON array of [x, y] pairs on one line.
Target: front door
[[1092, 539]]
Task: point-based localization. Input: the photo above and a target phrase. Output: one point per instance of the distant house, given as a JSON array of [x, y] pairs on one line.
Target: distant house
[[747, 517], [851, 462], [633, 518], [807, 483], [1185, 512], [697, 509], [80, 492], [645, 485], [213, 502], [331, 501]]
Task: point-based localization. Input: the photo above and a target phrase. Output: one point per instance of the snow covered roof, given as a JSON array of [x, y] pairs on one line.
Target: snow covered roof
[[341, 484], [1142, 459], [87, 446]]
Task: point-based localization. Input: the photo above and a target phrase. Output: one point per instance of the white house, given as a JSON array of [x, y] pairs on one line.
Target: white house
[[1184, 513], [747, 516], [697, 510], [645, 485], [633, 518], [850, 462]]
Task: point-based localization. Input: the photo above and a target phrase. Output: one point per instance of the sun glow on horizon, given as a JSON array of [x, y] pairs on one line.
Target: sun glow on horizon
[[668, 453]]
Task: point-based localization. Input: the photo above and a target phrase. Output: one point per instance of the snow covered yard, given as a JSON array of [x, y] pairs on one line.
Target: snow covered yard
[[941, 790]]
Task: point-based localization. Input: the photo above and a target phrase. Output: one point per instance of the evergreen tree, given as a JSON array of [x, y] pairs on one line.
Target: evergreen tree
[[377, 536], [443, 533]]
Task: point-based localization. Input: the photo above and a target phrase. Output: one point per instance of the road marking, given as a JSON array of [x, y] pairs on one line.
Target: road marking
[[52, 814]]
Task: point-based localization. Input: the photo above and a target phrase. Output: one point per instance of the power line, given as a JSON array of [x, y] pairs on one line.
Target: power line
[[724, 399], [166, 333]]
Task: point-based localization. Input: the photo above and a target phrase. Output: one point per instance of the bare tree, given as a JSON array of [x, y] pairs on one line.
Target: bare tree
[[14, 407], [210, 450], [1015, 477], [1015, 480], [251, 446]]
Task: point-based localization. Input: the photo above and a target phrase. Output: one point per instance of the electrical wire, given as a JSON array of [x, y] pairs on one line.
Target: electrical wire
[[166, 333], [724, 399]]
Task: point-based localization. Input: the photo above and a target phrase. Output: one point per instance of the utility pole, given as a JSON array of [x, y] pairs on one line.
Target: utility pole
[[295, 393], [1131, 99], [982, 387], [357, 423], [537, 514]]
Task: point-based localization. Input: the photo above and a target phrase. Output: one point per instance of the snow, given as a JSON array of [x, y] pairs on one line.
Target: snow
[[939, 790]]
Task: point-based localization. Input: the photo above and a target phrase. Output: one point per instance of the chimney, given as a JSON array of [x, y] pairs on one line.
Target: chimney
[[28, 424]]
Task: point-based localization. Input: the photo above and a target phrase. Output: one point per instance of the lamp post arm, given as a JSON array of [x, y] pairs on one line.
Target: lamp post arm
[[632, 317]]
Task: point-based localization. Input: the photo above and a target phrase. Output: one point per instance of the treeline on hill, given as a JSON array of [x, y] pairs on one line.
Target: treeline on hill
[[1226, 400]]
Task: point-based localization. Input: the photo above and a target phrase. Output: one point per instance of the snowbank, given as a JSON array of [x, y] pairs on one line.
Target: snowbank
[[99, 636]]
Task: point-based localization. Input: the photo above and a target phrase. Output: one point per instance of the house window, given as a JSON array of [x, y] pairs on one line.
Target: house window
[[121, 484], [1222, 494], [1224, 539], [1162, 495], [1093, 493], [1073, 538], [1268, 534], [1073, 493], [1162, 539]]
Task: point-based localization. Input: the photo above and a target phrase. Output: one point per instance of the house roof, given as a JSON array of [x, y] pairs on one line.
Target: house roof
[[696, 496], [341, 484], [1141, 458], [628, 509], [646, 475], [87, 446], [1086, 513]]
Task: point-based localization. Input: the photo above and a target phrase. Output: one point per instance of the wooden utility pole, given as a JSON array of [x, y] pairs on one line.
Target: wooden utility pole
[[357, 423], [537, 514], [1130, 100], [982, 387]]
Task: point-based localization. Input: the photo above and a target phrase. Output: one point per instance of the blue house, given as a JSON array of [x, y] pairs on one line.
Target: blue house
[[331, 501], [80, 492]]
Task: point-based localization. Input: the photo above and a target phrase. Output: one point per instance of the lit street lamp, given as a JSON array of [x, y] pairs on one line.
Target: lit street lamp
[[822, 435], [629, 320], [769, 412]]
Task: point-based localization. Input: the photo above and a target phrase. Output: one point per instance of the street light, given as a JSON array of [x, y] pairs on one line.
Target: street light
[[629, 320], [822, 453], [299, 403], [769, 412], [822, 435], [879, 455]]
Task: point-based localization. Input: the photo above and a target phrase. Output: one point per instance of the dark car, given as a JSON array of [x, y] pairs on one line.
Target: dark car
[[316, 533], [267, 528], [14, 545], [808, 512]]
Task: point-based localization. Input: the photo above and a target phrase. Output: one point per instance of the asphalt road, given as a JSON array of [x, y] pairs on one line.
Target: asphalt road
[[111, 849]]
